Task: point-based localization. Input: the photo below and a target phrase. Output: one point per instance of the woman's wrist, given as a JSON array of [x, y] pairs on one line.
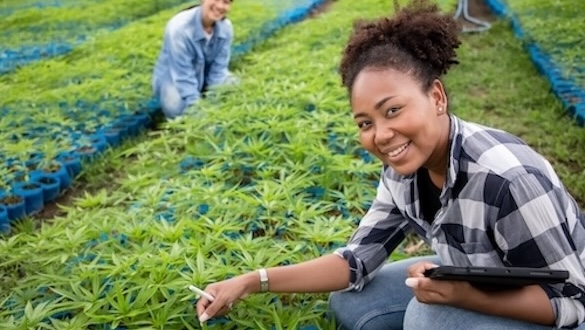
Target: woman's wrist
[[252, 282], [469, 297]]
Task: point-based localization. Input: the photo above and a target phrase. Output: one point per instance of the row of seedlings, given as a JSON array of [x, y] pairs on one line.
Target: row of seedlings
[[552, 33], [265, 173], [101, 100]]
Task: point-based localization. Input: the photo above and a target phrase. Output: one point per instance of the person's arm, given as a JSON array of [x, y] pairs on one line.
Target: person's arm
[[218, 68], [379, 232], [534, 229], [323, 274], [181, 65], [529, 303]]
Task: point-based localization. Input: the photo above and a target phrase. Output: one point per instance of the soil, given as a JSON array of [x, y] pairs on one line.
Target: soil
[[321, 9], [51, 210], [478, 9], [53, 168], [31, 186], [86, 149], [11, 200], [47, 180], [80, 187]]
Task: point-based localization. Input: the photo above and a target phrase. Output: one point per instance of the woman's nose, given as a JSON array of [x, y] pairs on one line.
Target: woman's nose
[[384, 135]]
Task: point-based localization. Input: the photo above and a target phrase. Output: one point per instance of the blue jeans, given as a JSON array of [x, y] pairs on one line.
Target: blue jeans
[[171, 102], [387, 303]]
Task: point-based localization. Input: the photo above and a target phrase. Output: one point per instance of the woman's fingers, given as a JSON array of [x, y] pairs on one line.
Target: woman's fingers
[[225, 293], [418, 269], [201, 305], [216, 308]]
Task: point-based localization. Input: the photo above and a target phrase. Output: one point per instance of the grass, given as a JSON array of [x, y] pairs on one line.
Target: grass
[[497, 85]]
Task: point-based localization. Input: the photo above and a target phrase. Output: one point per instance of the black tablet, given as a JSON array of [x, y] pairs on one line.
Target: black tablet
[[498, 277]]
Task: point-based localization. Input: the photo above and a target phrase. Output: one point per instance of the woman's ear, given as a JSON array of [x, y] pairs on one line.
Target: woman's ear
[[439, 97]]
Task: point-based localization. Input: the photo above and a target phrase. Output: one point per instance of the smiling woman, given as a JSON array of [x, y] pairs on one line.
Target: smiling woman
[[479, 196], [195, 55]]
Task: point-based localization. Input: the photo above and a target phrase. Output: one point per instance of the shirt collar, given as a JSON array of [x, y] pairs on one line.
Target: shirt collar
[[219, 28], [455, 149]]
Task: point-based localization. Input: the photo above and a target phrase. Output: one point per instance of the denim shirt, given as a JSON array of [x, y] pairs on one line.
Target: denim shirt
[[187, 60]]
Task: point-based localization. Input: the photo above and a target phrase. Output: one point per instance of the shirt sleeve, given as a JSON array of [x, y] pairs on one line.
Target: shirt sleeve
[[218, 69], [181, 66], [381, 230], [532, 230]]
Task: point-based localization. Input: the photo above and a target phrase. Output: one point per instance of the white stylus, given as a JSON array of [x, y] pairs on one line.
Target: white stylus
[[201, 293]]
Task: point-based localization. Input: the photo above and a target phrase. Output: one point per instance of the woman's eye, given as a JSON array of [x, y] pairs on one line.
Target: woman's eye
[[392, 111], [363, 124]]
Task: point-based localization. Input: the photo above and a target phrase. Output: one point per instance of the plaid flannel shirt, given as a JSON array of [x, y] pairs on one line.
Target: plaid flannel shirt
[[502, 205]]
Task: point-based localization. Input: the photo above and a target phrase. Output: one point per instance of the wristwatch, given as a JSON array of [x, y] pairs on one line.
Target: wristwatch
[[263, 280]]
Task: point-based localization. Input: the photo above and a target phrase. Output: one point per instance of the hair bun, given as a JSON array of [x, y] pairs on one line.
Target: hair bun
[[418, 36]]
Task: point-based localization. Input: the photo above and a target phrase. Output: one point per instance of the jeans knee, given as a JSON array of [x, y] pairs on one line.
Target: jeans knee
[[171, 102], [339, 305], [414, 317], [352, 314], [426, 316]]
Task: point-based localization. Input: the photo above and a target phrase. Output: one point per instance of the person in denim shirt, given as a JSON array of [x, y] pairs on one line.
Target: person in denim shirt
[[194, 56]]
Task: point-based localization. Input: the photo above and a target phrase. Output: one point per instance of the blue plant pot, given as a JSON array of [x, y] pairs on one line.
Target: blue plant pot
[[32, 193], [51, 186], [124, 131], [99, 142], [152, 106], [131, 123], [15, 206], [4, 222], [72, 162], [143, 120], [112, 136], [60, 173], [87, 153]]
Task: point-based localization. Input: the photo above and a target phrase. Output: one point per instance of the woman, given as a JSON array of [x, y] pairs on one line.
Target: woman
[[477, 195], [194, 56]]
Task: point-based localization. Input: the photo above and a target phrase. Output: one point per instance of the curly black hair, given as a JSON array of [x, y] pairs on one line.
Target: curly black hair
[[418, 39]]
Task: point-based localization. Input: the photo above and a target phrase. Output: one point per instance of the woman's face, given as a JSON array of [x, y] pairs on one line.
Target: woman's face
[[215, 10], [399, 123]]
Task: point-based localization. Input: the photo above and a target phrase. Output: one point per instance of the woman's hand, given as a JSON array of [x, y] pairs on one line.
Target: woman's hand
[[226, 293], [431, 291]]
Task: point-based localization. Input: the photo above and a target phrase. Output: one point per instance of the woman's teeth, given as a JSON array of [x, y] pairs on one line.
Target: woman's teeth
[[398, 150]]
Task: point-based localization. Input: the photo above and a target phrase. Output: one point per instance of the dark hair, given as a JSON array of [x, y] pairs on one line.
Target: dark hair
[[418, 39], [190, 7], [197, 5]]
